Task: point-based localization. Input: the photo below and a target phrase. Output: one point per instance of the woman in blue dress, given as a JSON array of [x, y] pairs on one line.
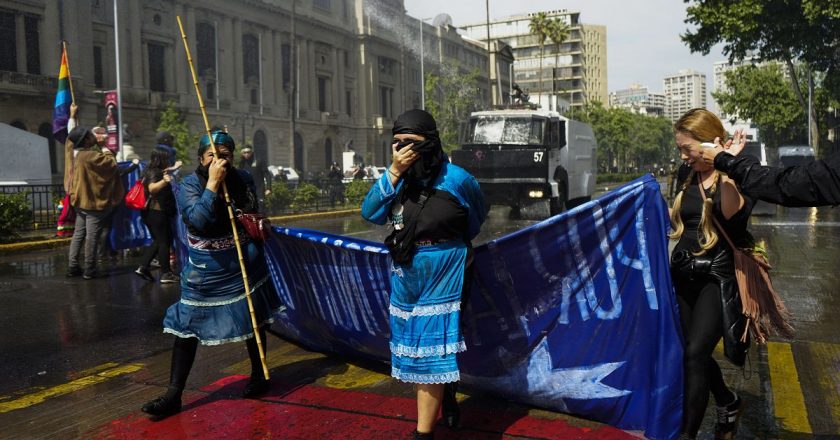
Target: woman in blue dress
[[213, 309], [436, 209]]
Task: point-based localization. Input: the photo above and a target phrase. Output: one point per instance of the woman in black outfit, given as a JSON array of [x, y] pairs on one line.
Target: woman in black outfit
[[158, 217], [703, 271]]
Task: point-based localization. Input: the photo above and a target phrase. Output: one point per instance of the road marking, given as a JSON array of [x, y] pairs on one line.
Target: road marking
[[354, 377], [826, 359], [67, 388], [788, 401]]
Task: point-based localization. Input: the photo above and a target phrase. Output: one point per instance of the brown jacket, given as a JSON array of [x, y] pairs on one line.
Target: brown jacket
[[96, 183]]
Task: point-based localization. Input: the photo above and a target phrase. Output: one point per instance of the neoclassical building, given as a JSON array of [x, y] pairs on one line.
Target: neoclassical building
[[301, 84]]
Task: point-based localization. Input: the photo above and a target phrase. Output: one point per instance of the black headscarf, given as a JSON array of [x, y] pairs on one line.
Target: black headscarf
[[431, 159]]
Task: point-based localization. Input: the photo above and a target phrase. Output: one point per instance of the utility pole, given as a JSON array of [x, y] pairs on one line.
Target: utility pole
[[120, 119], [489, 68], [292, 88]]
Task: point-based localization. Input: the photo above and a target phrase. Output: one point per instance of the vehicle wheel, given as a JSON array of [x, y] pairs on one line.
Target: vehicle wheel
[[558, 203]]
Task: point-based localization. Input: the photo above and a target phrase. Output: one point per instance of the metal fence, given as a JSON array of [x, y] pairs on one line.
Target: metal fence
[[43, 203], [44, 200]]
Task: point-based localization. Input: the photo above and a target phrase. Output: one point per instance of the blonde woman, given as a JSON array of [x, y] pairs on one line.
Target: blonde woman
[[703, 272]]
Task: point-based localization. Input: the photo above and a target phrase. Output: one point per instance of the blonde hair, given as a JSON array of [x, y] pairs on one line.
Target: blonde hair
[[701, 125]]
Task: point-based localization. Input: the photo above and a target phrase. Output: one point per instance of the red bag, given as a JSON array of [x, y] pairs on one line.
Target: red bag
[[257, 226], [136, 196]]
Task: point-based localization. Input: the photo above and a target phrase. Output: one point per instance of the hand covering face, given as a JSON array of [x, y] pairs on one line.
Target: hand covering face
[[431, 159]]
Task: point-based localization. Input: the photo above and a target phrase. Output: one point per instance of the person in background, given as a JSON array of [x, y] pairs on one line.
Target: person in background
[[96, 189], [67, 217], [814, 184], [164, 141], [158, 216], [213, 308], [259, 172], [703, 272], [335, 178], [436, 209]]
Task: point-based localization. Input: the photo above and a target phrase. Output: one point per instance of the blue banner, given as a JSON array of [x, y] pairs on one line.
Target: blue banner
[[127, 228], [576, 313]]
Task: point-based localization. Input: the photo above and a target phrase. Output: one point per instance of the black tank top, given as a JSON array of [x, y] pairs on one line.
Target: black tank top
[[691, 211]]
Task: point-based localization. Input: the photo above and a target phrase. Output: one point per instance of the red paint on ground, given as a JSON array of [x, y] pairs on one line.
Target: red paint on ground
[[314, 412]]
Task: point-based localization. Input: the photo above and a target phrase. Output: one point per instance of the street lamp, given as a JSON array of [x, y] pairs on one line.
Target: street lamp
[[422, 72]]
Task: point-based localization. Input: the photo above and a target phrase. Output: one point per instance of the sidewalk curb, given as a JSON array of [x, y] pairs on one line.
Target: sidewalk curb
[[60, 242], [34, 245]]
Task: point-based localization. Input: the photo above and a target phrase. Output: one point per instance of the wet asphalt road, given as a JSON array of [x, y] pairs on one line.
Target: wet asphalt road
[[53, 329]]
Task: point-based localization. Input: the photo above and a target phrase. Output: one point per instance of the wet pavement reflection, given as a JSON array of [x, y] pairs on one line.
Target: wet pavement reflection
[[55, 329]]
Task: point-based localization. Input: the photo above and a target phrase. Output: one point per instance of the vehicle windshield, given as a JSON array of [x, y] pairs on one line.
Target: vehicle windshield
[[506, 130]]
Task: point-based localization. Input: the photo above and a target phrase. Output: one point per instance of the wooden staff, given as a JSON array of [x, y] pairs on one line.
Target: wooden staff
[[227, 202], [69, 76]]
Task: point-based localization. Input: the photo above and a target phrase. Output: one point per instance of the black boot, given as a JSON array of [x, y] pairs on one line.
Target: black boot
[[258, 385], [183, 355], [166, 405], [449, 408], [423, 435]]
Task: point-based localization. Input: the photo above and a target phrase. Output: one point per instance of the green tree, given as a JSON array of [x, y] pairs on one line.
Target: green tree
[[172, 120], [790, 31], [305, 195], [540, 27], [558, 33], [14, 214], [627, 141], [451, 96], [356, 191], [763, 95]]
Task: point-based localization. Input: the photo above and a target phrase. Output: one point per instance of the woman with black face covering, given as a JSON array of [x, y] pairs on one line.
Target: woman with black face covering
[[213, 309], [435, 208]]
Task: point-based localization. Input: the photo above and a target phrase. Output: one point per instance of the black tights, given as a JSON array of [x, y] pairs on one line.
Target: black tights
[[160, 226], [701, 314], [183, 355]]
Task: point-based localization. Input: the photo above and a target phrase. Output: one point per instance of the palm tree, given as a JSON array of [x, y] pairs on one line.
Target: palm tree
[[539, 27], [558, 33]]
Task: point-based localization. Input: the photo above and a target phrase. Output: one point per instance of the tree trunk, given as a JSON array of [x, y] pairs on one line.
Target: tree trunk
[[809, 112]]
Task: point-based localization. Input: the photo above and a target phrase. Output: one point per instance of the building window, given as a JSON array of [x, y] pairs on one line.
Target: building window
[[348, 99], [97, 66], [323, 84], [205, 35], [286, 65], [328, 151], [322, 4], [345, 9], [8, 42], [33, 46], [250, 58], [157, 69], [387, 66], [385, 96]]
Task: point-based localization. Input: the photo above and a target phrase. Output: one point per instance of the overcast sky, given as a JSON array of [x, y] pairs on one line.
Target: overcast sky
[[643, 36]]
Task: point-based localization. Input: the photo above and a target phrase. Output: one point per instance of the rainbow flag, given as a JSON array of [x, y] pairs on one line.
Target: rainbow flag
[[61, 112]]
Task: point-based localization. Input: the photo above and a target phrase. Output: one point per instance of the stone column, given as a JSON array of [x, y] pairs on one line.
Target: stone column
[[20, 39], [335, 104], [227, 88], [268, 73], [131, 14], [239, 76], [50, 39]]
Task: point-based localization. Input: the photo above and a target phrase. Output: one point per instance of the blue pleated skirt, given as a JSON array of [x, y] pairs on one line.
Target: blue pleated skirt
[[213, 306], [425, 314]]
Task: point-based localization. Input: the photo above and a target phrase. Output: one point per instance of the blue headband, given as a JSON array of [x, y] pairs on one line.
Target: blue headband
[[219, 138]]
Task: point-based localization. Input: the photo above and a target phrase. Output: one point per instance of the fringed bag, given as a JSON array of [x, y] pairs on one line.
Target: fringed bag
[[765, 311]]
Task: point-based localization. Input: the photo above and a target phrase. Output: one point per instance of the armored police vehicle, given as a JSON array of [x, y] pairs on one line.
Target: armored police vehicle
[[529, 159]]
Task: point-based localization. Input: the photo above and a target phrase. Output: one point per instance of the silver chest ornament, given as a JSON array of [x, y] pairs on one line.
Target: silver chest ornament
[[397, 216]]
